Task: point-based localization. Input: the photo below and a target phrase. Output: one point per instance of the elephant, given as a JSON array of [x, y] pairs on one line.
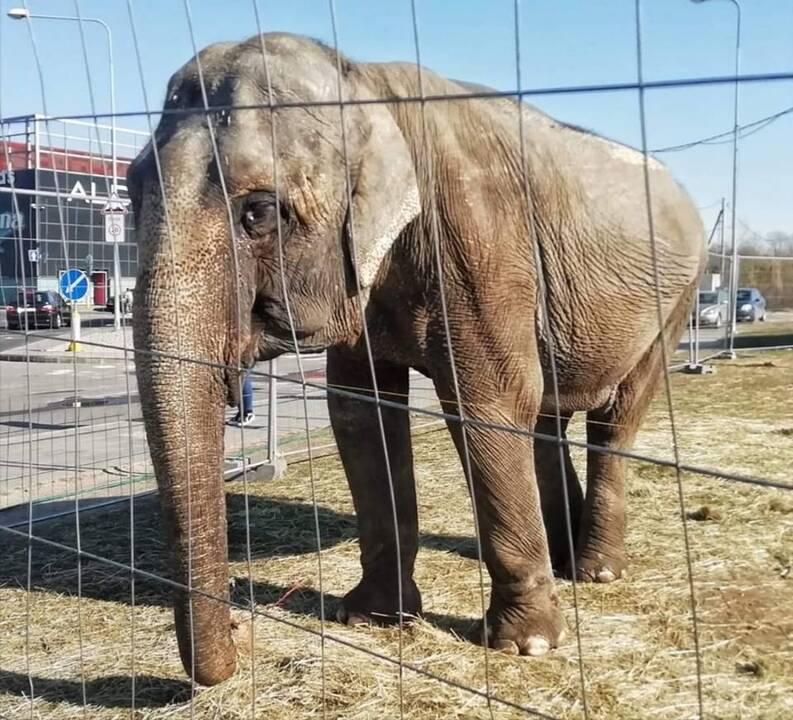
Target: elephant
[[510, 260]]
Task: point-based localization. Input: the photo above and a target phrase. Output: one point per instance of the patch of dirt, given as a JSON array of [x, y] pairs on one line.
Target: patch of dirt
[[758, 612], [704, 513]]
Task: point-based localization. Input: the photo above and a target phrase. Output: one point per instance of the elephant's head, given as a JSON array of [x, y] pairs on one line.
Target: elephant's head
[[250, 239]]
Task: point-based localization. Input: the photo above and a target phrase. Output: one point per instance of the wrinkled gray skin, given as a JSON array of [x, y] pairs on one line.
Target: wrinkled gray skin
[[587, 222]]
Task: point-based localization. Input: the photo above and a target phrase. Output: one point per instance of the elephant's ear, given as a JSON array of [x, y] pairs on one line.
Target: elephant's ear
[[385, 194]]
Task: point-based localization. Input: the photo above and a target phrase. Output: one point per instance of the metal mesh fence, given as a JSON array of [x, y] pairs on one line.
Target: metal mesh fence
[[772, 277], [111, 496]]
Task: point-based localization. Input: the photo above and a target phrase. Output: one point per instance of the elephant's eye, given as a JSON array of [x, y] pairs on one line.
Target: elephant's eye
[[260, 215]]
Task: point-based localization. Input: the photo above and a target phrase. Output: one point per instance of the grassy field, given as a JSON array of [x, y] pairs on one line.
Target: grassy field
[[636, 634], [766, 334]]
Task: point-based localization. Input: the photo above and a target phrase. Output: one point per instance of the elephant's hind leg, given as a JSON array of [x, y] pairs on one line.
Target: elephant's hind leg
[[357, 430], [552, 475], [600, 551], [524, 616]]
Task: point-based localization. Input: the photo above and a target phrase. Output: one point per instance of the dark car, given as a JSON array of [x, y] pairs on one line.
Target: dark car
[[37, 309], [750, 305]]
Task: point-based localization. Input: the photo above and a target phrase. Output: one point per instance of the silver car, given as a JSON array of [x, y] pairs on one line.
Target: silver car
[[714, 308]]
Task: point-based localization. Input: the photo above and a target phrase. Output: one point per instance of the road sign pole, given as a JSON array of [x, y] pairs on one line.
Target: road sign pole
[[114, 212], [74, 343], [117, 283]]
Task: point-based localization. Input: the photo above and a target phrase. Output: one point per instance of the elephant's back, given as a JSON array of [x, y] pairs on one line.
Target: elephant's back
[[604, 177]]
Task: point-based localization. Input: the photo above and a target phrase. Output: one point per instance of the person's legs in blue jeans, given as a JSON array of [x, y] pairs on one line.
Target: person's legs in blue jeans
[[247, 394], [244, 414]]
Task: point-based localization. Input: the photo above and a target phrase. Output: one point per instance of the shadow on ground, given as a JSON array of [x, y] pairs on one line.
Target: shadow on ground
[[114, 691], [278, 528]]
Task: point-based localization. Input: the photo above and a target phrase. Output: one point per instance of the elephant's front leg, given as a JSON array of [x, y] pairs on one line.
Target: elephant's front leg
[[357, 430], [524, 615]]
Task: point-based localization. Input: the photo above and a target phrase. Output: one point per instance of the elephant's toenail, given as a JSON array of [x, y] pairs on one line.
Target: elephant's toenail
[[356, 620], [606, 576], [350, 618], [537, 646], [506, 646]]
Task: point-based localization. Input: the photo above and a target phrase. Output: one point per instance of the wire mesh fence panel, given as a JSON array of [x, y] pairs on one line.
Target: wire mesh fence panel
[[391, 396], [772, 277]]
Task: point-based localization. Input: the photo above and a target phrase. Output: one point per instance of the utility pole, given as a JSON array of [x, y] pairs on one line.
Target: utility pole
[[729, 352], [721, 245]]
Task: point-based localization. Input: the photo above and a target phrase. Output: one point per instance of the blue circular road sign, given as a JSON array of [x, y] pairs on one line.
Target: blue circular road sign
[[73, 285]]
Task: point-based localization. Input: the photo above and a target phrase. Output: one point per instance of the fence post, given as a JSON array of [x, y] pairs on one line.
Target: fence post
[[696, 328], [272, 412]]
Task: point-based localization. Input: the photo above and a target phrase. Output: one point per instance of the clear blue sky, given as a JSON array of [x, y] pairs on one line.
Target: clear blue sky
[[564, 42]]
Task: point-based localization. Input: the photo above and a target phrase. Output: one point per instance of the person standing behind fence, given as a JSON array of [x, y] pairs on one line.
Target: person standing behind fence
[[126, 301], [245, 415]]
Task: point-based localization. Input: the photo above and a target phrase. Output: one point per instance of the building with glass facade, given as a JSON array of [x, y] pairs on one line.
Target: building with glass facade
[[56, 176]]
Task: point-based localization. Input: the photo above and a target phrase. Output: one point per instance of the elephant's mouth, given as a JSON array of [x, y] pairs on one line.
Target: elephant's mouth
[[275, 334], [268, 346], [271, 346]]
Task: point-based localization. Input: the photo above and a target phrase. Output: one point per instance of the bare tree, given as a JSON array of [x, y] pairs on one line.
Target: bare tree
[[780, 243]]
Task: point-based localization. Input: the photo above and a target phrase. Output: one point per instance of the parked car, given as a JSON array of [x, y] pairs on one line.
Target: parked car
[[750, 305], [37, 309], [714, 308]]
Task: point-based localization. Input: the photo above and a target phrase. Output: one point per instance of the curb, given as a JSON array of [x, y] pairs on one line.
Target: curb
[[67, 358]]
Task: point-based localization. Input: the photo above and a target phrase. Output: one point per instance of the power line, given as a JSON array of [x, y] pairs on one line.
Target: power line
[[724, 137]]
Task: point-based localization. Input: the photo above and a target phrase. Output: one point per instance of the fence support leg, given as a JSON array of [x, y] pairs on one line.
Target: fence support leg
[[267, 463], [272, 412], [695, 367]]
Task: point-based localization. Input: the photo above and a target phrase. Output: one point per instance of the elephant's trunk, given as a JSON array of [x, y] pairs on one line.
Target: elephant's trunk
[[183, 404]]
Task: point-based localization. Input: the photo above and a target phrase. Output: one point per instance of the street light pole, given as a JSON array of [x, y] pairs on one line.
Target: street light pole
[[25, 14], [730, 352]]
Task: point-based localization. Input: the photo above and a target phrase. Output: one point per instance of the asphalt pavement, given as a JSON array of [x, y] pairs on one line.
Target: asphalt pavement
[[12, 339], [71, 426]]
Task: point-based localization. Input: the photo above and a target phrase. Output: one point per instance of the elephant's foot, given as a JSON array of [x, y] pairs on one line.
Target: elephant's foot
[[600, 566], [531, 626], [373, 601]]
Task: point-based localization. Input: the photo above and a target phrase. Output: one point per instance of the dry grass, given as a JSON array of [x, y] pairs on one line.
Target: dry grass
[[636, 634]]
